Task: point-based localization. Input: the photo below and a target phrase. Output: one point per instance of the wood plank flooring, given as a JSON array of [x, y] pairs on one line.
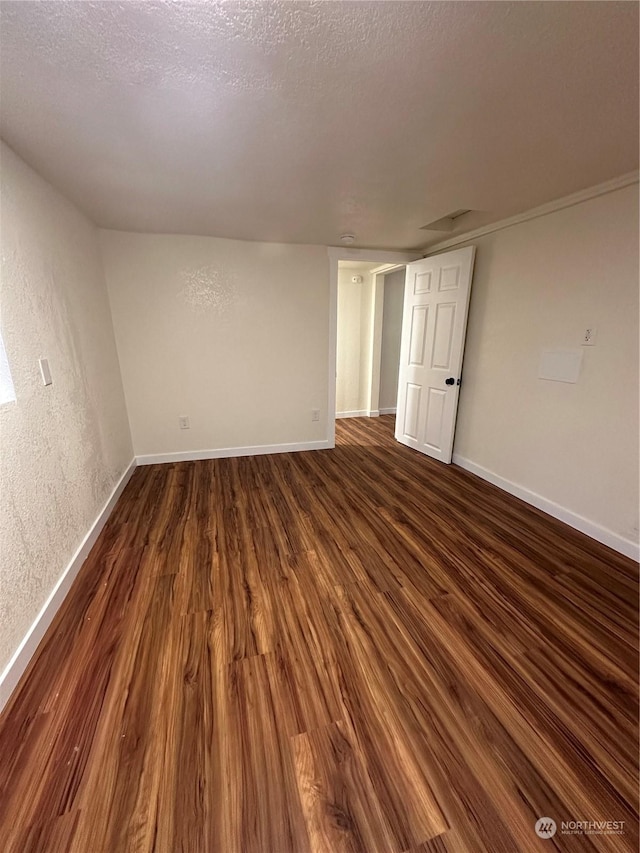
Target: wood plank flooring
[[348, 651]]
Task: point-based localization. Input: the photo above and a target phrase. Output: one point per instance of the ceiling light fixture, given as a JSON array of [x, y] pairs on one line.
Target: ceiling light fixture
[[348, 239]]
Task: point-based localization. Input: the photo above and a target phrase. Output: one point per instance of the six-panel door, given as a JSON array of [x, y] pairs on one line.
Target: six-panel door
[[436, 300]]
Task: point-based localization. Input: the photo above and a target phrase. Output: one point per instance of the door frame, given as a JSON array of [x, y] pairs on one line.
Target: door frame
[[387, 259]]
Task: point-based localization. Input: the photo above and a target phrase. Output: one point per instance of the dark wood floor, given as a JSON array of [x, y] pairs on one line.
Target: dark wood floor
[[347, 650]]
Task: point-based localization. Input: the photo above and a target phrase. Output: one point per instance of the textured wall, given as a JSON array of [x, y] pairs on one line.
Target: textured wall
[[62, 447], [539, 285], [234, 335]]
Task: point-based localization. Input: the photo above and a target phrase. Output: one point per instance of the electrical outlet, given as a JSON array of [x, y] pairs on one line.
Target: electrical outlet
[[590, 336], [315, 414], [183, 420]]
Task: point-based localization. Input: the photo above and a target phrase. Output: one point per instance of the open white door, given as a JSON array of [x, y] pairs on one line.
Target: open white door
[[434, 323]]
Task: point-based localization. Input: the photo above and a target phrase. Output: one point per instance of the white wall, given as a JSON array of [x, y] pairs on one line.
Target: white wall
[[232, 334], [366, 339], [538, 285], [391, 334], [348, 345], [354, 340], [62, 447]]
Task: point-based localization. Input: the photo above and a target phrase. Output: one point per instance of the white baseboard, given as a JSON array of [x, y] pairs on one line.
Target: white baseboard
[[227, 452], [595, 531], [374, 413], [25, 651], [362, 413], [390, 411]]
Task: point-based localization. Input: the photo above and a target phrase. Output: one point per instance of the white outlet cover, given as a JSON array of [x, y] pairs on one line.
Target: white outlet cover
[[590, 337]]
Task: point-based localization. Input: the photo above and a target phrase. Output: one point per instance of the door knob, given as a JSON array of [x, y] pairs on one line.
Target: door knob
[[450, 381]]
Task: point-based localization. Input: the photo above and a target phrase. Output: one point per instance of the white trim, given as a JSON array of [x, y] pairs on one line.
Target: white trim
[[228, 452], [362, 413], [336, 254], [595, 531], [389, 411], [25, 651], [398, 259], [387, 269], [544, 209]]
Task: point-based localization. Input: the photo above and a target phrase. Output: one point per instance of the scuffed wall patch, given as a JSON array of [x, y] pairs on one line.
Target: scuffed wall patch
[[210, 288]]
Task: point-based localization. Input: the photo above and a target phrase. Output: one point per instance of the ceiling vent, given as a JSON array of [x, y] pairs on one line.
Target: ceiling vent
[[446, 223]]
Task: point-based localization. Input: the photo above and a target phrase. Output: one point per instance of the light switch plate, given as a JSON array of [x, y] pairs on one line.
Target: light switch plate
[[45, 372]]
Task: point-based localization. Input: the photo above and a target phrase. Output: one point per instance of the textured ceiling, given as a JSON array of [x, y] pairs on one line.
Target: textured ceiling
[[298, 122]]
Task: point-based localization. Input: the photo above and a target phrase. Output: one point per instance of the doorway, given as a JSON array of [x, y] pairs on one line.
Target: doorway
[[431, 344], [357, 348], [355, 339]]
